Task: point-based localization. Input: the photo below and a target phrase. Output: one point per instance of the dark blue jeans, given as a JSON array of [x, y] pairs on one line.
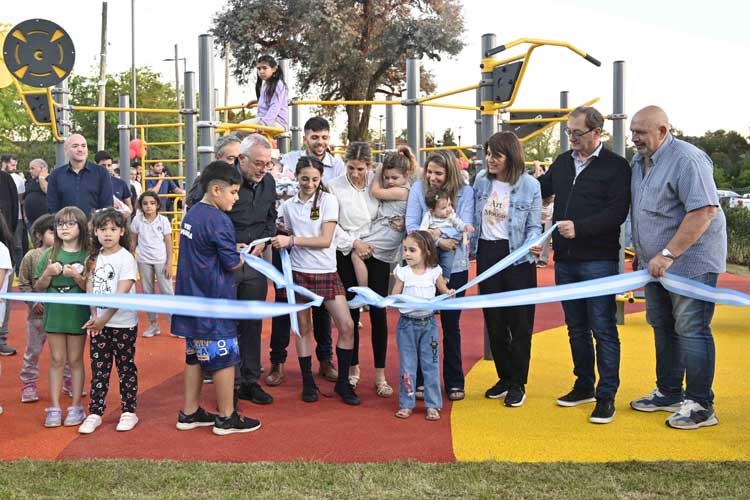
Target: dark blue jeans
[[453, 370], [684, 343], [593, 316]]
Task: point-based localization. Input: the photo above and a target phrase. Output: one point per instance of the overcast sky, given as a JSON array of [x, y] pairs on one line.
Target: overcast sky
[[688, 56]]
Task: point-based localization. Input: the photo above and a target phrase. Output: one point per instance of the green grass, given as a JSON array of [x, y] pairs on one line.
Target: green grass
[[738, 270], [395, 480]]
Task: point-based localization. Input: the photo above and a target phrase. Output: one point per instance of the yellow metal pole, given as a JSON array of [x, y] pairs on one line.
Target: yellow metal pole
[[450, 106], [238, 106], [74, 107], [347, 103], [446, 94], [167, 143]]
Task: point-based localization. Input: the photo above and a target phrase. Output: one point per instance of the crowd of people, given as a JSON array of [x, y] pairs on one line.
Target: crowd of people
[[354, 222]]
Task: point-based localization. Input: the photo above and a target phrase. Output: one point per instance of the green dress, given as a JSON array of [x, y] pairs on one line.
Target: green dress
[[64, 318]]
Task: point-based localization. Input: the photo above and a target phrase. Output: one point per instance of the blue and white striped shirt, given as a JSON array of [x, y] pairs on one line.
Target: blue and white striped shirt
[[679, 180]]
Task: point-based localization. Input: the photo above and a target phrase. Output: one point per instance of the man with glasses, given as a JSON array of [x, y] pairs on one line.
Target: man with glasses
[[253, 217], [591, 185]]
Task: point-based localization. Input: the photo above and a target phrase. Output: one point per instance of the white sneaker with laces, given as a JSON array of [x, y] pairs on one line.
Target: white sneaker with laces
[[152, 330], [90, 424], [127, 422]]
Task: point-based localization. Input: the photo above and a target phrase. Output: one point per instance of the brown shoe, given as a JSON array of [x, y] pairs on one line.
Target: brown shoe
[[328, 371], [276, 375]]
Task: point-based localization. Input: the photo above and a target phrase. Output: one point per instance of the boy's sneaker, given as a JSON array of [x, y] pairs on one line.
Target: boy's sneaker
[[201, 418], [6, 350], [346, 391], [127, 421], [576, 397], [29, 394], [54, 417], [604, 411], [498, 390], [75, 416], [656, 401], [90, 424], [516, 396], [153, 329], [692, 415], [234, 424]]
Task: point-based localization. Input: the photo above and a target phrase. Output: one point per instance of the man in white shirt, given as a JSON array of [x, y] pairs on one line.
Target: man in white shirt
[[317, 139]]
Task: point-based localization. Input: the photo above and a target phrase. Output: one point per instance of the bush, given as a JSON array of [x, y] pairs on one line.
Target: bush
[[738, 236]]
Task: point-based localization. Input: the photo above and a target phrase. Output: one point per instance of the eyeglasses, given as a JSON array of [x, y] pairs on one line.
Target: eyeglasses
[[577, 133], [66, 224], [259, 164]]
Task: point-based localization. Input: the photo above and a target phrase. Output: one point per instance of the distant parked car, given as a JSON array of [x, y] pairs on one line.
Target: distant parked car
[[741, 202], [725, 193]]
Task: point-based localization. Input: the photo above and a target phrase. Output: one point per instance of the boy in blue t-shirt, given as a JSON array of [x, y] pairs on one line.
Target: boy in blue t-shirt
[[205, 268]]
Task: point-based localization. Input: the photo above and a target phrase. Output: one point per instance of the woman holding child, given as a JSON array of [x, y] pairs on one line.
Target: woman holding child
[[441, 173]]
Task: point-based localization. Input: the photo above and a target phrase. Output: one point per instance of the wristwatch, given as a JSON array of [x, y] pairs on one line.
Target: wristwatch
[[666, 253]]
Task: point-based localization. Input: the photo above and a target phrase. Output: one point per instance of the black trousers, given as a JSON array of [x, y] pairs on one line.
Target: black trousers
[[251, 285], [509, 328], [378, 274], [280, 328]]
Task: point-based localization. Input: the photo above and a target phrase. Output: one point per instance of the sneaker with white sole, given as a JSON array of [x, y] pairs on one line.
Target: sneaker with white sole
[[29, 394], [153, 329], [90, 424], [576, 397], [127, 422], [656, 401], [75, 416], [54, 417], [201, 418], [223, 426], [692, 415]]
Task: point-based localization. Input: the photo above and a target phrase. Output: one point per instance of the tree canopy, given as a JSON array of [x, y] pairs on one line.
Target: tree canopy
[[342, 49]]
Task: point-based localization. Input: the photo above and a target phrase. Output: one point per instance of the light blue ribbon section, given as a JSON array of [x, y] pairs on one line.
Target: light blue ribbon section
[[184, 305]]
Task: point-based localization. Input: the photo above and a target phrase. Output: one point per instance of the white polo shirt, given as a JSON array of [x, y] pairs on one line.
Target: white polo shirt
[[151, 248], [333, 166], [296, 216]]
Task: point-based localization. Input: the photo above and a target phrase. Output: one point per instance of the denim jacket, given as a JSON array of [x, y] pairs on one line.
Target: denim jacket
[[524, 211], [416, 208]]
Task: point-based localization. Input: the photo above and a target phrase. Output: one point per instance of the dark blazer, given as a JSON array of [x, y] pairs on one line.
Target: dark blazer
[[9, 201]]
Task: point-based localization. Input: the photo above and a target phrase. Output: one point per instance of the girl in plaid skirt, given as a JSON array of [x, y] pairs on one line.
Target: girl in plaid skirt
[[311, 217]]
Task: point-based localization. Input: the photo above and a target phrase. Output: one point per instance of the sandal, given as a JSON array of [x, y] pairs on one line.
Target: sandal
[[354, 377], [456, 394], [404, 413], [432, 414], [383, 389]]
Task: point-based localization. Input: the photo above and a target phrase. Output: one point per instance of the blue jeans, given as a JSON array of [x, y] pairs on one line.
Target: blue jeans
[[445, 258], [597, 316], [417, 340], [684, 343]]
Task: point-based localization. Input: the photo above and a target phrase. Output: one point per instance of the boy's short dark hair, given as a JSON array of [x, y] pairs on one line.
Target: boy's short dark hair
[[317, 124], [43, 224], [102, 155], [219, 172]]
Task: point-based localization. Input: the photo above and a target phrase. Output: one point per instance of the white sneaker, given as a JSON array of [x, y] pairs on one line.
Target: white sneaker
[[90, 424], [127, 421], [152, 330]]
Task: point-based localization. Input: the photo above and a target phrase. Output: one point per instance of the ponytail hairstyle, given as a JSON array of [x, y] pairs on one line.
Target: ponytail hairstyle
[[312, 162], [277, 77], [100, 219], [426, 244], [402, 160]]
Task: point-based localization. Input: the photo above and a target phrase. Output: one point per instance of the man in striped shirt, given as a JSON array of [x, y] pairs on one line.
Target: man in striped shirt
[[678, 227]]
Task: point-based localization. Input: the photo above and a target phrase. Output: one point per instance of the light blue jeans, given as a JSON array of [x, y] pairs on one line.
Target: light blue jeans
[[417, 340]]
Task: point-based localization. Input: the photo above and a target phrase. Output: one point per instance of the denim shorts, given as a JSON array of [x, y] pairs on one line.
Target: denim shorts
[[212, 355]]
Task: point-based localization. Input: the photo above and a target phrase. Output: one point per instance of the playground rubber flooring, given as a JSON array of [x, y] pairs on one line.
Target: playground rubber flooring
[[470, 430]]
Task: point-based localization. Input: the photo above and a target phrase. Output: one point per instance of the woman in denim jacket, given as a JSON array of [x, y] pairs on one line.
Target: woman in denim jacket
[[507, 213], [441, 171]]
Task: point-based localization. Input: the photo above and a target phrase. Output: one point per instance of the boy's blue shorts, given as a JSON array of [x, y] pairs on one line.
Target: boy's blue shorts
[[212, 355]]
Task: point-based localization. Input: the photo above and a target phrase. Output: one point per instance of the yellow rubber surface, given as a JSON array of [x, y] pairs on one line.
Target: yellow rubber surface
[[541, 431]]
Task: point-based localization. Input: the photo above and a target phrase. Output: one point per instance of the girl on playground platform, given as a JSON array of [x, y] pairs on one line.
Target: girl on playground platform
[[151, 235], [440, 215], [272, 92], [112, 331], [61, 270], [311, 217], [6, 266], [416, 333]]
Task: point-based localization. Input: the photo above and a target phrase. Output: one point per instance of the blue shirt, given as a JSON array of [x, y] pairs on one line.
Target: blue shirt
[[524, 211], [416, 208], [679, 180], [120, 189], [90, 189], [208, 255]]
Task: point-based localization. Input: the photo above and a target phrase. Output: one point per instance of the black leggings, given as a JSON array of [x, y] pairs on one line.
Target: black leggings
[[509, 328], [378, 274]]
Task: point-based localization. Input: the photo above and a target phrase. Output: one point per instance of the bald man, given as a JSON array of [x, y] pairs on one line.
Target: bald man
[[79, 182], [678, 228]]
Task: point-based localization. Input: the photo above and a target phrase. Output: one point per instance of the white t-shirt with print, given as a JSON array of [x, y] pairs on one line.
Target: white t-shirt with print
[[6, 265], [495, 212], [111, 269], [151, 248], [297, 216], [418, 285]]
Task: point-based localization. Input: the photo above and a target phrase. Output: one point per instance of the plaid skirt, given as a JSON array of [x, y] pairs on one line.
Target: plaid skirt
[[327, 285]]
